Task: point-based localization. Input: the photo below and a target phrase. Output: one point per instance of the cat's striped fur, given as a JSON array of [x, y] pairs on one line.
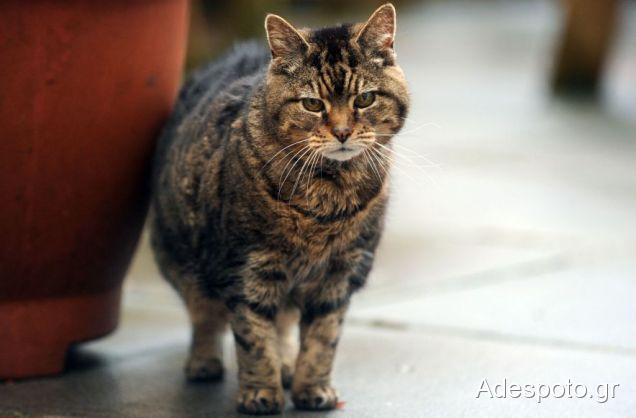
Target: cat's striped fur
[[261, 216]]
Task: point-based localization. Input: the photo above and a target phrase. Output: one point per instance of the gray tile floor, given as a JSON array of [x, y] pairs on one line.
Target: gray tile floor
[[511, 257]]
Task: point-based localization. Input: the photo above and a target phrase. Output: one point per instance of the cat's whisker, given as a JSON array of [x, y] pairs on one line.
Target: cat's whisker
[[415, 154], [372, 165], [310, 174], [283, 158], [312, 159], [394, 164], [415, 129], [306, 149], [299, 176], [420, 127], [408, 160], [430, 179], [387, 164], [384, 164], [412, 120], [318, 159], [283, 149], [291, 159], [396, 157]]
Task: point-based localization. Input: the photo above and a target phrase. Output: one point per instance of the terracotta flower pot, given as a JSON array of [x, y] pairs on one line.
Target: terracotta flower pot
[[84, 89]]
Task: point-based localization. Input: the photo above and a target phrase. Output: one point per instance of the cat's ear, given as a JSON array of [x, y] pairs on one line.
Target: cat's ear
[[379, 31], [284, 40]]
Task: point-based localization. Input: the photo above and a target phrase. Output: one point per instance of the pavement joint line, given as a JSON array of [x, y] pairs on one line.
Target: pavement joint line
[[506, 236], [492, 336], [517, 271]]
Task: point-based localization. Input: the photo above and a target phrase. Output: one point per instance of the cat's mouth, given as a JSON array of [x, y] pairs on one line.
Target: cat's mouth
[[343, 153]]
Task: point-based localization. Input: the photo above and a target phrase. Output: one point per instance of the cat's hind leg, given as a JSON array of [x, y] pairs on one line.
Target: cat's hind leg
[[209, 318]]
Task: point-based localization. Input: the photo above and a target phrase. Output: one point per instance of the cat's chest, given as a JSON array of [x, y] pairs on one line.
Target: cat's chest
[[330, 223], [316, 238]]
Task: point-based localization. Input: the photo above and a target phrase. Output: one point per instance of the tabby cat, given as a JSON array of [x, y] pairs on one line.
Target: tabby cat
[[270, 187]]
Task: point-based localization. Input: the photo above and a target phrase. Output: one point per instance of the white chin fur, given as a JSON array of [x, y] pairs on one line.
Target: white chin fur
[[343, 155]]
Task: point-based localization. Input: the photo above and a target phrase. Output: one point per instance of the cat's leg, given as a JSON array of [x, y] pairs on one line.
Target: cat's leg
[[260, 385], [323, 311], [320, 326], [286, 325], [311, 387], [209, 318], [264, 288]]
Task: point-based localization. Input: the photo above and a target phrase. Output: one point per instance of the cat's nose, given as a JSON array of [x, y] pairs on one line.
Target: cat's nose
[[342, 133]]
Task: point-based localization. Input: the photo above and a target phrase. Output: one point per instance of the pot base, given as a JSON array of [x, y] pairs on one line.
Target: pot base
[[35, 334]]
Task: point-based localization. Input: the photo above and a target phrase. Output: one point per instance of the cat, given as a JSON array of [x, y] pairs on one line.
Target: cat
[[270, 187]]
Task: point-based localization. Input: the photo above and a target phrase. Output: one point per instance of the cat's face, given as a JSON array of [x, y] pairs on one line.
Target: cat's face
[[338, 91]]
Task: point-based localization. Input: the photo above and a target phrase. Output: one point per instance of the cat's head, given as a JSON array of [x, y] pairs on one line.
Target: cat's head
[[338, 89]]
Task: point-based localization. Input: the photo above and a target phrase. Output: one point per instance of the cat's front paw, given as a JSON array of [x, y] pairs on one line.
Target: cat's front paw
[[260, 401], [315, 397], [203, 369]]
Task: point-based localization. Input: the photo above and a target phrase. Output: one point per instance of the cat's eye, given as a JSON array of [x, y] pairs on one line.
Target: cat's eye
[[313, 105], [364, 99]]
